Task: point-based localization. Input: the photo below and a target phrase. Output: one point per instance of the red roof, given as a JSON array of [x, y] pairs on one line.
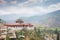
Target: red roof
[[18, 25]]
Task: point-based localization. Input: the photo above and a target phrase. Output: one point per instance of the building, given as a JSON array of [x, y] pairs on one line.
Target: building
[[12, 27], [18, 26]]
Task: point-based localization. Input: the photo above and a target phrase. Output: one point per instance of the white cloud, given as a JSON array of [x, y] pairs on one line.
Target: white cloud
[[24, 11], [13, 2], [2, 12], [23, 4], [36, 1], [54, 7], [31, 2], [30, 11]]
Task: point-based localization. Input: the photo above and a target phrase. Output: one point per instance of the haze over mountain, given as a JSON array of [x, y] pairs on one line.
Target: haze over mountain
[[49, 20]]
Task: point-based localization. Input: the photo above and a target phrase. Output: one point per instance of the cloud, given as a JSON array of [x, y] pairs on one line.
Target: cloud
[[54, 7], [13, 2], [8, 2], [30, 11], [36, 1], [3, 12], [31, 2], [23, 11], [2, 1]]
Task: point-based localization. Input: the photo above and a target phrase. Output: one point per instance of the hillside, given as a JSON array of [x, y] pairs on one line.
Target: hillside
[[49, 20]]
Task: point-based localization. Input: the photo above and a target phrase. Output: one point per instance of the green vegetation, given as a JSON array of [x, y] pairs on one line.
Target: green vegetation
[[36, 34]]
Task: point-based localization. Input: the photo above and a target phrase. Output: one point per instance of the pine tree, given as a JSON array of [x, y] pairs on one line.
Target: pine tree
[[0, 31]]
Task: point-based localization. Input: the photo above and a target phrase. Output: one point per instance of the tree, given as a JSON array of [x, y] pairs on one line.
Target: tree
[[2, 21], [7, 35], [56, 31], [16, 35], [0, 31]]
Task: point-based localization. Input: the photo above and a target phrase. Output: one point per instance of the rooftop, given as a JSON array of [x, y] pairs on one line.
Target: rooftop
[[18, 25]]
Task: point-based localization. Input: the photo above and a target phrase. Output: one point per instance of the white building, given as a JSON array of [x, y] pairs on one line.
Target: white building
[[18, 26]]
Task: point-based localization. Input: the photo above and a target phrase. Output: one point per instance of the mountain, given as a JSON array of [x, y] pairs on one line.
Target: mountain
[[49, 20]]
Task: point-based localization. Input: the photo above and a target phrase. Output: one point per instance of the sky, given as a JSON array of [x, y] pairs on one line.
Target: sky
[[28, 8]]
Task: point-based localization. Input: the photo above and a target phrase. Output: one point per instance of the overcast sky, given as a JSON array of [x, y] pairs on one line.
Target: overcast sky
[[28, 7]]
